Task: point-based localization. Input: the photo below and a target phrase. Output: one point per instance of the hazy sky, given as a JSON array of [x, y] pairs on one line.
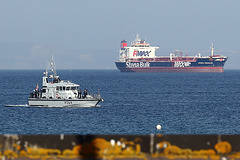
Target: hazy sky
[[86, 34]]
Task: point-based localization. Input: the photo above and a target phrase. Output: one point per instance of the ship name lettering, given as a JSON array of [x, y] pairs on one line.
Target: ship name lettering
[[141, 53], [137, 64], [205, 62], [67, 102], [182, 64]]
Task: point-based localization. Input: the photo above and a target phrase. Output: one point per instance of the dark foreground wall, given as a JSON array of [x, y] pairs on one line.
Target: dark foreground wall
[[120, 146]]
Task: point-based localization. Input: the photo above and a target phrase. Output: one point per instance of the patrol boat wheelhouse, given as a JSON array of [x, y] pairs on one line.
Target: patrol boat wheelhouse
[[59, 93]]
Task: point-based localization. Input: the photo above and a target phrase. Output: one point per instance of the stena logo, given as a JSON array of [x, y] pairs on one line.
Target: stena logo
[[141, 53], [182, 64], [137, 64]]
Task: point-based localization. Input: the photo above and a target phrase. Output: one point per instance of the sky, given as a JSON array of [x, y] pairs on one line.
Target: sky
[[86, 34]]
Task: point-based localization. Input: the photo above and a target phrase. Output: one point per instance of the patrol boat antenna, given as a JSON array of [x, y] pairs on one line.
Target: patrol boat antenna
[[51, 72]]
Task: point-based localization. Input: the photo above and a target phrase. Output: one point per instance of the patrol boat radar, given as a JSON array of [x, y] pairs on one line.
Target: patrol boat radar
[[59, 93]]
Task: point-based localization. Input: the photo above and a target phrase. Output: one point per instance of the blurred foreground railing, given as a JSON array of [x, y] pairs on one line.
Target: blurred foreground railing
[[120, 147]]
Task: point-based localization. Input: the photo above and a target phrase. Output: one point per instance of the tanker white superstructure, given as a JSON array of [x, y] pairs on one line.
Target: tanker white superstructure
[[138, 49], [59, 93]]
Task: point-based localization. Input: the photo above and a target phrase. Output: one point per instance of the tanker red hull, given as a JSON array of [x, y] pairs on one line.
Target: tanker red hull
[[175, 70]]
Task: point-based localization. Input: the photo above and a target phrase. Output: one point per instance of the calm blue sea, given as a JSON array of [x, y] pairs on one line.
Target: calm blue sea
[[134, 103]]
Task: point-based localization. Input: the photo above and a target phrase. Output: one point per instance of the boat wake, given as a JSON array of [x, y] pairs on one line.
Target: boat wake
[[18, 105], [26, 105]]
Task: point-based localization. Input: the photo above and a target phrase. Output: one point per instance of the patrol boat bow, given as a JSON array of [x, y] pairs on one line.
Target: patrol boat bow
[[59, 93]]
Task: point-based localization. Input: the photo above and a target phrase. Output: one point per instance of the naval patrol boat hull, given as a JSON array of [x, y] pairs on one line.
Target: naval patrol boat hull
[[33, 102]]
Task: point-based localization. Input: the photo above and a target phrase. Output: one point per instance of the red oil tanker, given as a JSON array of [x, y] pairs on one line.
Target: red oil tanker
[[140, 57]]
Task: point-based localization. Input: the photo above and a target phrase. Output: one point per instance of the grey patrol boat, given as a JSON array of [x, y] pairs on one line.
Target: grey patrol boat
[[59, 93]]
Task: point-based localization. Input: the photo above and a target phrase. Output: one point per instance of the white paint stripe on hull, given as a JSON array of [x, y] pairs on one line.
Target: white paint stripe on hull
[[63, 103]]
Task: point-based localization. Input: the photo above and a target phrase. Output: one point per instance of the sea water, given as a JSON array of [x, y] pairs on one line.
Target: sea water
[[134, 103]]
